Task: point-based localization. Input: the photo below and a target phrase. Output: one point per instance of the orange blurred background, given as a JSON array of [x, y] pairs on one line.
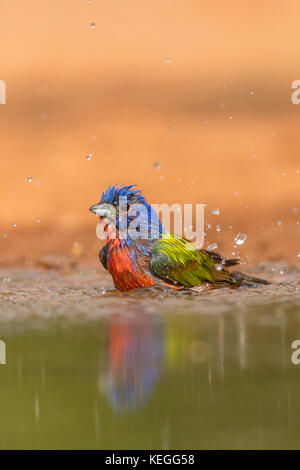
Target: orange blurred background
[[202, 88]]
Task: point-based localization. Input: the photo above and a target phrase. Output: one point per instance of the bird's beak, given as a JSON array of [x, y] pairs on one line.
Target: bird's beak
[[101, 210]]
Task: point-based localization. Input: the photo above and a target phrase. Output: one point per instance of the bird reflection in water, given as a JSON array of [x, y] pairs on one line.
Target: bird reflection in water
[[136, 352]]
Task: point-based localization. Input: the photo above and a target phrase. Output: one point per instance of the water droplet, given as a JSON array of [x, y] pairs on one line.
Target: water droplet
[[298, 254], [37, 221], [93, 25], [167, 60], [14, 225], [215, 211], [219, 267], [279, 222], [253, 155], [89, 156], [213, 246], [240, 238], [218, 228], [281, 271], [230, 117], [29, 179], [156, 165], [283, 173], [251, 92]]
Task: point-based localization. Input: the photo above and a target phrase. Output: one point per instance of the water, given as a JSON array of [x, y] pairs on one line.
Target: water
[[240, 238], [212, 246], [215, 211], [88, 367]]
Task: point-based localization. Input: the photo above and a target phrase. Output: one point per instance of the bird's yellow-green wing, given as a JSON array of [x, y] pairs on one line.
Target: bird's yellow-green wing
[[176, 261]]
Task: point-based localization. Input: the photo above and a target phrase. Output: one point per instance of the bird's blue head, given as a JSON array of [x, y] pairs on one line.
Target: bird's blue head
[[125, 213]]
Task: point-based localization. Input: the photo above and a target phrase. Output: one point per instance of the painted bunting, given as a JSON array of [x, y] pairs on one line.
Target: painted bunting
[[140, 253]]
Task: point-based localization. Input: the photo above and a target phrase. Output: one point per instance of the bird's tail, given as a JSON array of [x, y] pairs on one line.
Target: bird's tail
[[247, 280]]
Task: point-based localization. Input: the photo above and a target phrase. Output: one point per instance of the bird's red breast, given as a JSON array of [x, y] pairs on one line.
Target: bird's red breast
[[125, 272]]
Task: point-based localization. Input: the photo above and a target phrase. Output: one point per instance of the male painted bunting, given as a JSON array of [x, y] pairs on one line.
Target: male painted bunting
[[145, 257]]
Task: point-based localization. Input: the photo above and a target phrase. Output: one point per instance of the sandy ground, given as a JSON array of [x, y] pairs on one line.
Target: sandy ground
[[27, 292]]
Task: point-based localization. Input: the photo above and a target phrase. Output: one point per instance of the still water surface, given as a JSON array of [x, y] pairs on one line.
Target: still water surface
[[89, 368]]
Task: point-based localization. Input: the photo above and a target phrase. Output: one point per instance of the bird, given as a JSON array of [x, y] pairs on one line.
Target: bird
[[144, 257]]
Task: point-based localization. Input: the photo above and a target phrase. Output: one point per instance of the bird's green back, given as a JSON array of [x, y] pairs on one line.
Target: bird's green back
[[177, 261]]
